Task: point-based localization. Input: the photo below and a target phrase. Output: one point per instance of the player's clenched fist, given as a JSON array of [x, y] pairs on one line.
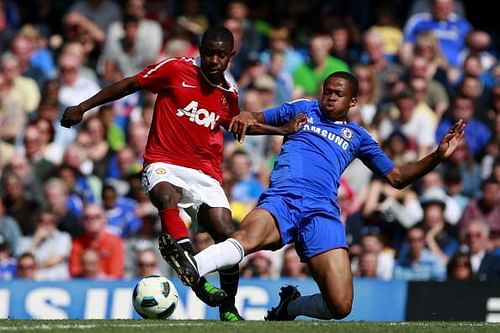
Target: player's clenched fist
[[72, 116]]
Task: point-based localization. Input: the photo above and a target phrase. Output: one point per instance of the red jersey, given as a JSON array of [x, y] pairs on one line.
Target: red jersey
[[188, 115]]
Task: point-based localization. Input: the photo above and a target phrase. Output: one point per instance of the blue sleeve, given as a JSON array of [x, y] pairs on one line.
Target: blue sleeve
[[284, 113], [374, 157]]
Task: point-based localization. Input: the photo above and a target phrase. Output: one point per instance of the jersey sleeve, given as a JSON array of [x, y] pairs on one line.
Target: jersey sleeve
[[285, 112], [374, 157], [157, 77]]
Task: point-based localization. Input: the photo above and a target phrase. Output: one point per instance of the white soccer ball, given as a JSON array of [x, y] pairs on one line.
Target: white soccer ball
[[155, 297]]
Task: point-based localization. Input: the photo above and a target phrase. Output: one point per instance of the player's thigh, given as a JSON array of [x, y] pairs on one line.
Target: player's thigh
[[332, 272], [217, 221], [165, 195], [258, 231]]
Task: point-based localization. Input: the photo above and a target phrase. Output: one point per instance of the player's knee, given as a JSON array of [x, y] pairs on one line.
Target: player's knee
[[163, 199], [340, 310], [224, 231]]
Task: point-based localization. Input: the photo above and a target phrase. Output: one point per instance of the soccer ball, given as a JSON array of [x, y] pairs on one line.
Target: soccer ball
[[155, 297]]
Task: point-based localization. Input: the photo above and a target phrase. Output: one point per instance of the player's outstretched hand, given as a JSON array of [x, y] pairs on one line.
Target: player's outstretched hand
[[295, 124], [451, 140], [72, 116], [240, 123]]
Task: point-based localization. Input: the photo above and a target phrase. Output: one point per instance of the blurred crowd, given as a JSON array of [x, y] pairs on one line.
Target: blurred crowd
[[72, 204]]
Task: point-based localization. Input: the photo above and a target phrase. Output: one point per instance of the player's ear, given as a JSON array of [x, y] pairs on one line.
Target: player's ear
[[353, 103]]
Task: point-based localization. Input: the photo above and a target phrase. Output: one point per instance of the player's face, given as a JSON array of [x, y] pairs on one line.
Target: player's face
[[336, 99], [215, 57]]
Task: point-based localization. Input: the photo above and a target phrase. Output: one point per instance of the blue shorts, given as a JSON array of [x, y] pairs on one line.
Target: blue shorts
[[313, 225]]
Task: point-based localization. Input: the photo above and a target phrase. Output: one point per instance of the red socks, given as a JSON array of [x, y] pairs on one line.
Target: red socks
[[172, 224]]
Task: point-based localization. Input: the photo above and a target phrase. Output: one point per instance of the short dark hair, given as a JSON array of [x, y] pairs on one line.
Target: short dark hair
[[218, 33], [353, 82]]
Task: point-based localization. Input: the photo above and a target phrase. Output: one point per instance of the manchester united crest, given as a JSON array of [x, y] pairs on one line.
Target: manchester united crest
[[160, 171], [223, 100]]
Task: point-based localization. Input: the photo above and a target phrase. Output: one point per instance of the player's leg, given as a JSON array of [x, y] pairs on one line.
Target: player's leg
[[218, 222], [321, 243], [166, 186], [332, 272], [257, 231]]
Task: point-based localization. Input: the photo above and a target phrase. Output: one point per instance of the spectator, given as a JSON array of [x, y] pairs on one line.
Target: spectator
[[459, 268], [50, 150], [18, 87], [433, 186], [18, 204], [478, 43], [477, 134], [416, 124], [486, 208], [308, 76], [110, 247], [115, 135], [40, 55], [435, 94], [50, 247], [367, 265], [149, 38], [440, 236], [292, 266], [470, 171], [7, 262], [373, 54], [201, 240], [485, 265], [342, 47], [120, 213], [96, 146], [9, 230], [371, 243], [92, 18], [368, 96], [20, 167], [26, 267], [387, 27], [448, 26], [126, 54], [247, 188], [419, 263], [91, 266], [34, 149], [427, 46], [258, 265], [147, 263], [283, 80], [58, 201], [23, 49], [74, 86], [12, 116], [279, 43]]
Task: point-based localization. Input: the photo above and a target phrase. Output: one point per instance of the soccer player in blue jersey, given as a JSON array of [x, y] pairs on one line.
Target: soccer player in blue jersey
[[300, 205]]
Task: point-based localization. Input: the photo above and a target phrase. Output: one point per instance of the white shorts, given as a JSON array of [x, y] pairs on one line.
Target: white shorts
[[197, 187]]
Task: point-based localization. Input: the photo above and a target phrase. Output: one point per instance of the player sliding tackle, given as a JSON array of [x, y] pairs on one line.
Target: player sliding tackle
[[196, 99], [300, 205]]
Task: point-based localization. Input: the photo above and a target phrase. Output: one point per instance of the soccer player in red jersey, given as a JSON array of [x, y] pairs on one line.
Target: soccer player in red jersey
[[184, 148]]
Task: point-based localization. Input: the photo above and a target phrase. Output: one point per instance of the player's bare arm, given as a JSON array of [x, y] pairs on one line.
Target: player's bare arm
[[253, 124], [74, 114], [401, 177]]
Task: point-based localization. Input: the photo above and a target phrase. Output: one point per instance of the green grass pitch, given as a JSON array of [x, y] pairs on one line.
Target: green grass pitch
[[208, 326]]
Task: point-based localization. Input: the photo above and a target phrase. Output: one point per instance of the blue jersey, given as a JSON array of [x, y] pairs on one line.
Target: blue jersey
[[313, 159]]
